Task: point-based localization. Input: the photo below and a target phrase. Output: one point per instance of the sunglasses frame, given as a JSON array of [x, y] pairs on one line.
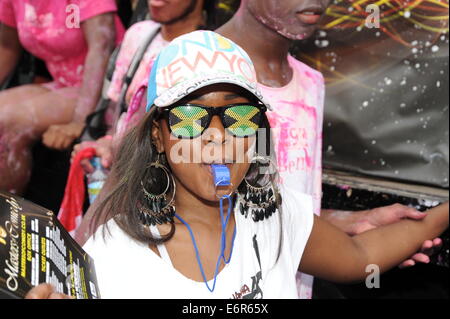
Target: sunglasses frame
[[212, 111]]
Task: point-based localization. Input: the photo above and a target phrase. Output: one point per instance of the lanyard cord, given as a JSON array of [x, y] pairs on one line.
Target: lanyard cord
[[224, 223]]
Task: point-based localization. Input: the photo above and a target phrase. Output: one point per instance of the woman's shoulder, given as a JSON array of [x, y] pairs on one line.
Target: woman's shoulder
[[297, 206], [107, 239], [291, 196]]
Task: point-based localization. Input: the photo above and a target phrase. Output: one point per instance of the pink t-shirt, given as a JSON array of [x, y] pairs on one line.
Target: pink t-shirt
[[51, 30], [296, 122]]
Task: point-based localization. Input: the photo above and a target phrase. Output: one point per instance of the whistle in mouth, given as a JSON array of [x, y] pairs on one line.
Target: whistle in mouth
[[221, 175]]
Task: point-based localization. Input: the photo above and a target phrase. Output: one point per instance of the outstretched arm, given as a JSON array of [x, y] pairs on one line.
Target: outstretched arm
[[333, 255], [357, 222]]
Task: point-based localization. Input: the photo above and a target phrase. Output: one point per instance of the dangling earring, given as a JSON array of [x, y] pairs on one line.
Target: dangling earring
[[155, 208], [260, 202]]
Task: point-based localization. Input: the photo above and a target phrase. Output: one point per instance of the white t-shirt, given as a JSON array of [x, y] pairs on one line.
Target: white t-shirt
[[129, 269]]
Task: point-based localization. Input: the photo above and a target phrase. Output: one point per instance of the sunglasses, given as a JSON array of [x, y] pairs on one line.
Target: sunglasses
[[188, 121]]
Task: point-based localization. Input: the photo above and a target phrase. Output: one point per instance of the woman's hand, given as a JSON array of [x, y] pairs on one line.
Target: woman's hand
[[381, 216], [429, 248], [61, 136], [45, 291], [103, 149]]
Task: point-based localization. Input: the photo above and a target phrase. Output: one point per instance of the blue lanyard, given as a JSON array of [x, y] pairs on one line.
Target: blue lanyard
[[224, 223]]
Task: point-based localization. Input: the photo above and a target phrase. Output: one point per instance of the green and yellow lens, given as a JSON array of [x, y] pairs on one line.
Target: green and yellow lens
[[242, 120], [188, 121]]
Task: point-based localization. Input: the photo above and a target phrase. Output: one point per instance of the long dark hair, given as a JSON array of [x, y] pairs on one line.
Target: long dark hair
[[134, 155]]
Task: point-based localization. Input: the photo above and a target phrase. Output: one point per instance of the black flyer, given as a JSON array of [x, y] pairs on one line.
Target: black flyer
[[35, 248]]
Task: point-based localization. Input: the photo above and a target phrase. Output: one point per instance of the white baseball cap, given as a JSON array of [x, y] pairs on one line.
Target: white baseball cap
[[196, 60]]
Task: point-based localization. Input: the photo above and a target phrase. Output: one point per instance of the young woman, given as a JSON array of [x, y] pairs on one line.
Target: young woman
[[196, 211], [74, 38]]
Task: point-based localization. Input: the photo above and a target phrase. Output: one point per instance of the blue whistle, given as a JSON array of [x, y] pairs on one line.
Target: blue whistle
[[221, 175]]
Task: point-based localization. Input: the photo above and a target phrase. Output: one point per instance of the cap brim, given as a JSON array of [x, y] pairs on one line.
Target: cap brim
[[181, 90]]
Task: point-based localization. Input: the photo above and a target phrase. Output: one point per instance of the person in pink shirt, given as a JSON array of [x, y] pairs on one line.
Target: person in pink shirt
[[296, 94], [74, 38]]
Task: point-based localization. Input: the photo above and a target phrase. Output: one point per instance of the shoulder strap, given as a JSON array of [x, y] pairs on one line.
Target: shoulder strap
[[134, 65]]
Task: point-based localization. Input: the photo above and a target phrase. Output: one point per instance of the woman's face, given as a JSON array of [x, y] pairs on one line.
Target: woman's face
[[191, 159], [293, 19]]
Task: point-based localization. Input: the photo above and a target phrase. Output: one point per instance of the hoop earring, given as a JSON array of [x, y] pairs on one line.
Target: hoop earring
[[155, 208], [260, 202]]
